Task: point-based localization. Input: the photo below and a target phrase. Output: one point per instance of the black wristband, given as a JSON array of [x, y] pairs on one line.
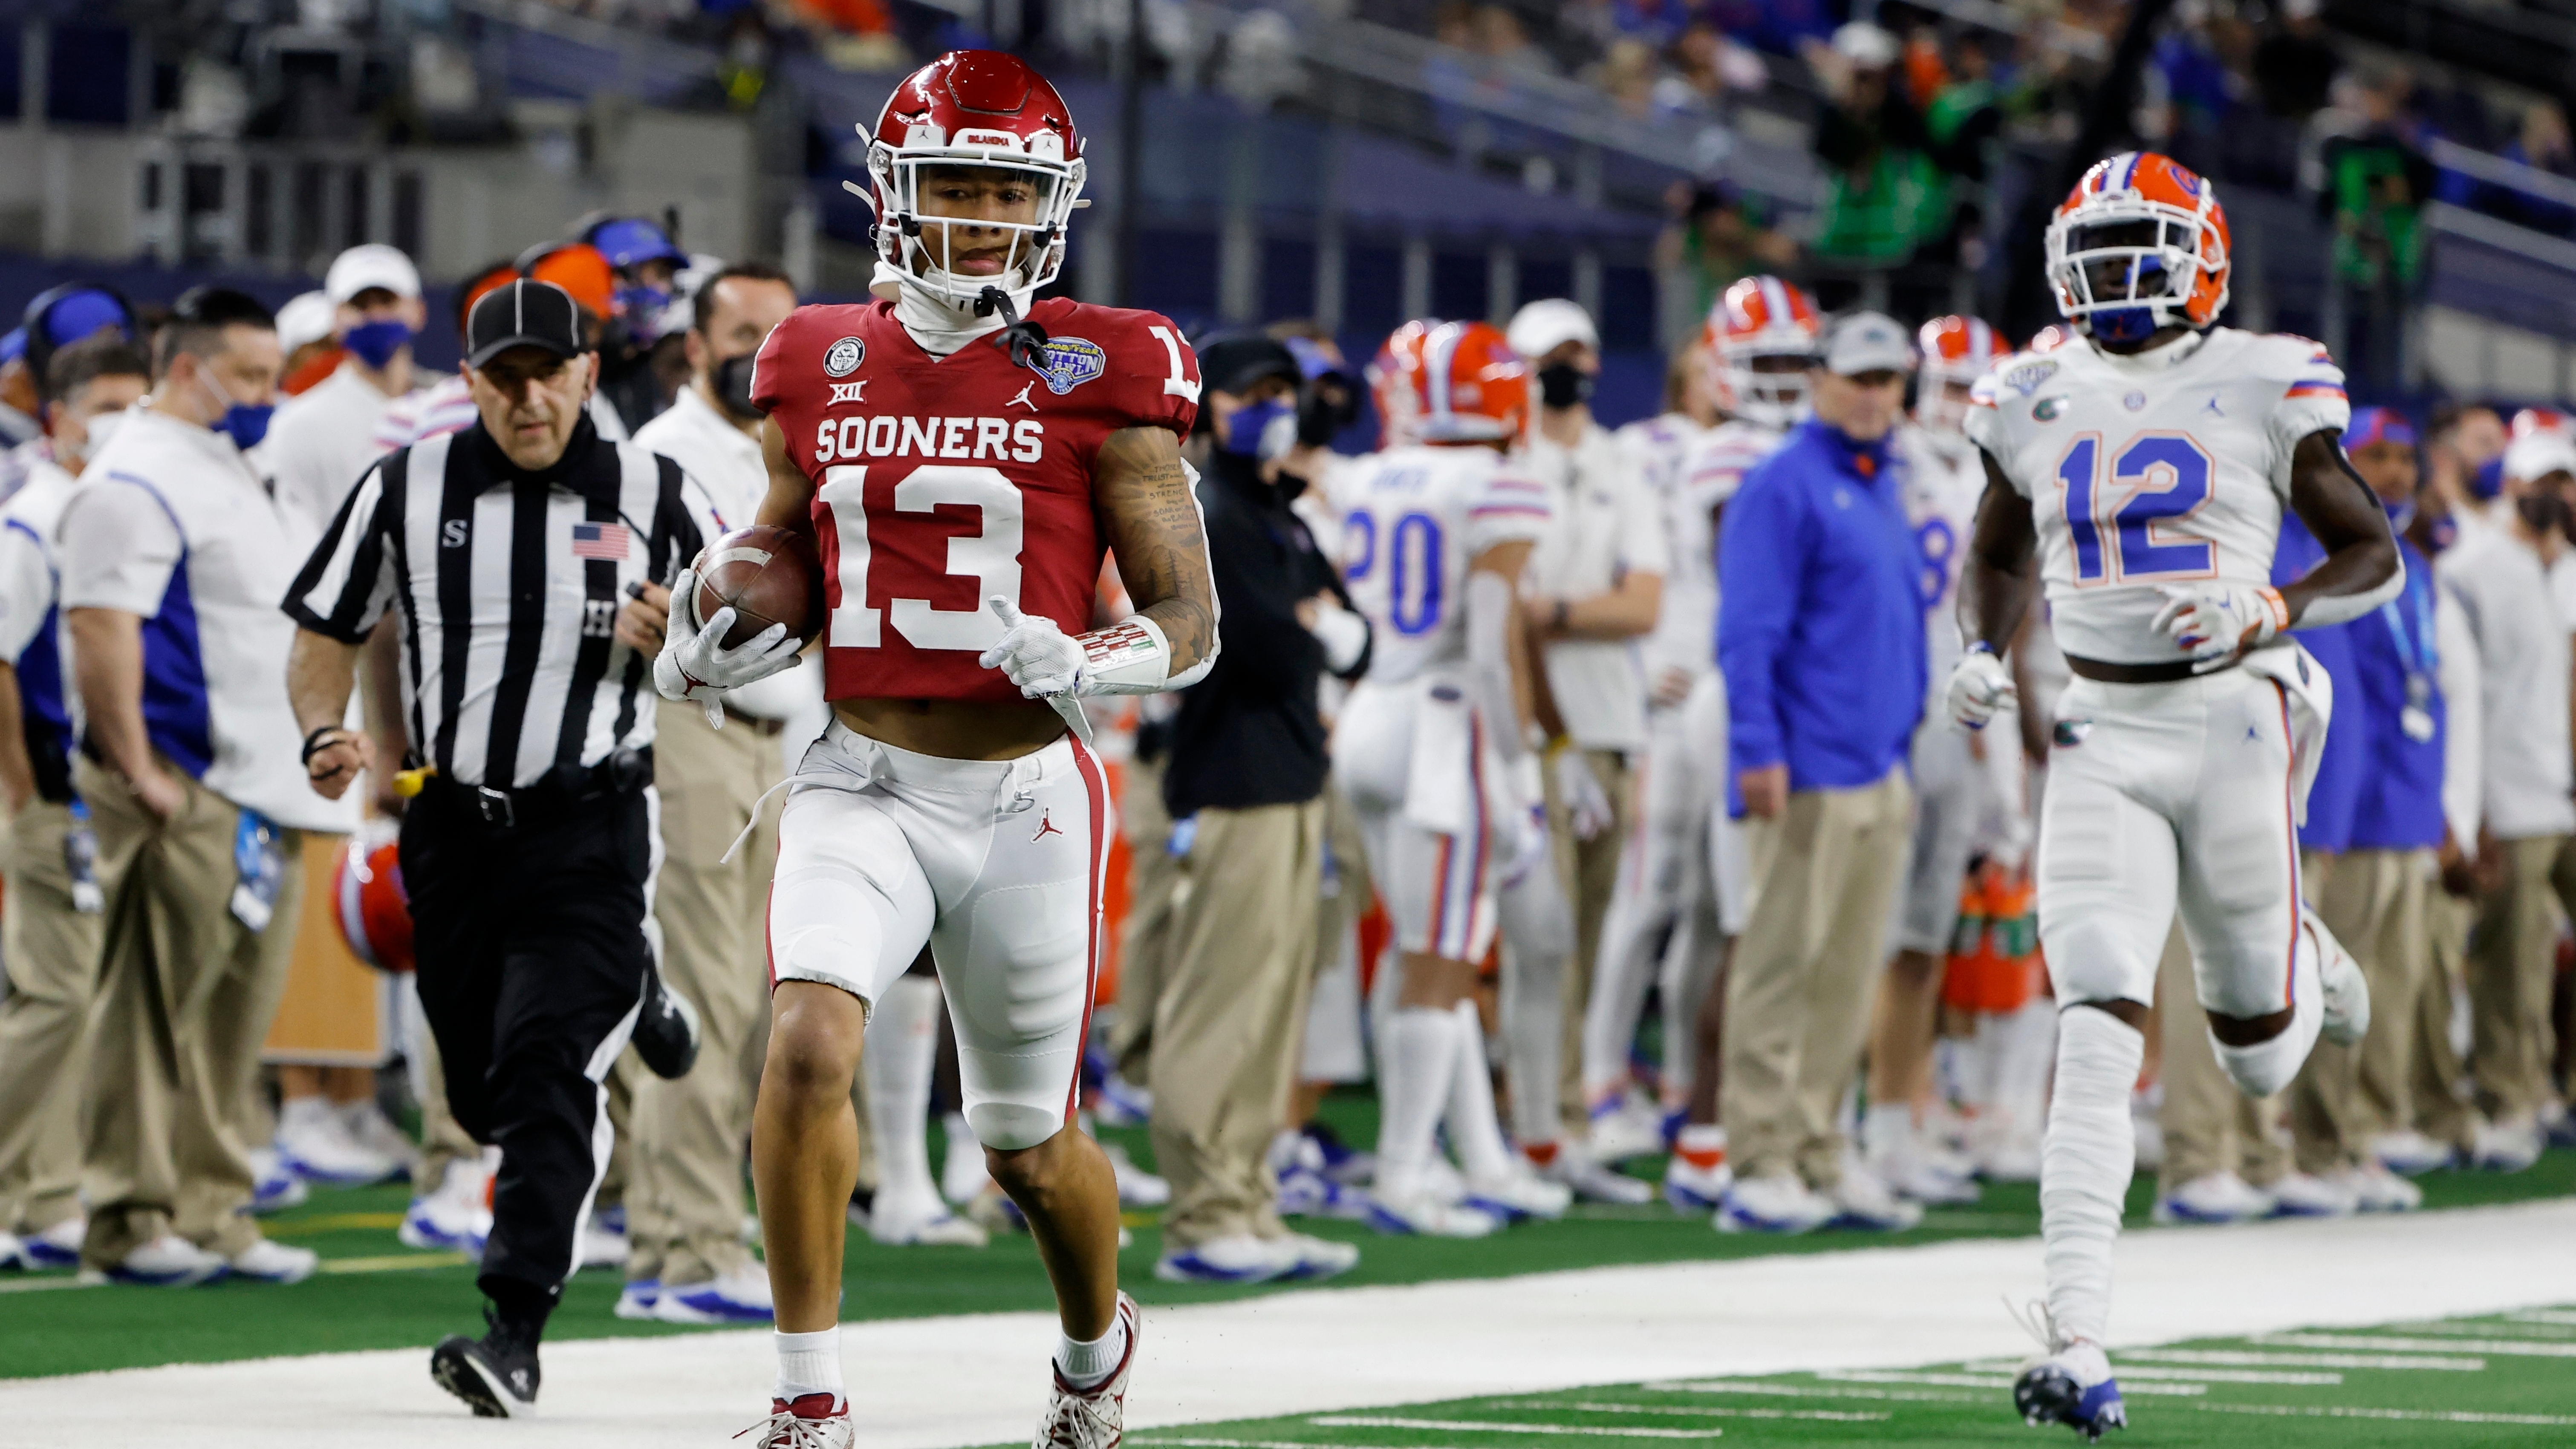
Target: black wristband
[[314, 742]]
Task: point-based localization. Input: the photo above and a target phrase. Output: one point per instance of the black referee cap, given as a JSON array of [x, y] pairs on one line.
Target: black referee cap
[[523, 313]]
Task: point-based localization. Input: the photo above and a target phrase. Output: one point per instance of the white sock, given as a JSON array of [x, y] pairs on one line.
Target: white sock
[[2026, 1042], [808, 1363], [902, 1048], [1415, 1058], [2085, 1163], [2267, 1066], [1088, 1365], [1473, 1129], [1888, 1128], [1533, 1011]]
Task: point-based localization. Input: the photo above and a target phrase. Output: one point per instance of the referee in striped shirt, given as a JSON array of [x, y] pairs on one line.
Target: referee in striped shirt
[[524, 559]]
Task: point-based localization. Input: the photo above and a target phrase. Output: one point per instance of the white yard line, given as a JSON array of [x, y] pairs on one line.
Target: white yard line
[[980, 1379], [2244, 1358], [2505, 1347]]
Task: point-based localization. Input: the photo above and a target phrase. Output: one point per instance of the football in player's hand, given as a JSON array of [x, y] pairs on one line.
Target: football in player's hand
[[766, 575]]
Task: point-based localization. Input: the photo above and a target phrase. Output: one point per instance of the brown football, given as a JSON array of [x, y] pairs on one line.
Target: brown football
[[766, 575]]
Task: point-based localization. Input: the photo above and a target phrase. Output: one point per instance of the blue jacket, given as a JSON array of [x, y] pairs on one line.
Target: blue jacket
[[1820, 629], [2346, 756], [2400, 800]]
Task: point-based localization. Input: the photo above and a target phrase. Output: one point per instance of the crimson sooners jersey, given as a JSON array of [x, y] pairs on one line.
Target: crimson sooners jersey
[[941, 482]]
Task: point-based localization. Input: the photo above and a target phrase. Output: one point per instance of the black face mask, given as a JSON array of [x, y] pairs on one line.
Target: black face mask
[[2543, 510], [733, 386], [1564, 385], [1324, 409]]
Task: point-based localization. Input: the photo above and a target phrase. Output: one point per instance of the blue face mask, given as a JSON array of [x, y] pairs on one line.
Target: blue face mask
[[642, 308], [244, 423], [2488, 481], [1262, 430], [375, 343]]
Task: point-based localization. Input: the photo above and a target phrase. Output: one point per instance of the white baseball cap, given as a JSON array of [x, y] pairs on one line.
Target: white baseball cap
[[1865, 45], [1541, 327], [371, 264], [1859, 342], [2538, 454], [306, 318]]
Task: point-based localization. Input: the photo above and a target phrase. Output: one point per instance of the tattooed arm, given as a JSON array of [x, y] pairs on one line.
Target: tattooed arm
[[1142, 492]]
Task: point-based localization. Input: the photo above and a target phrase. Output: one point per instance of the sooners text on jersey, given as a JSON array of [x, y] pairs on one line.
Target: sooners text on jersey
[[941, 482]]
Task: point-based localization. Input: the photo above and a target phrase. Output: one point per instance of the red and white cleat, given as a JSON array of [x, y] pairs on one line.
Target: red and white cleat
[[812, 1421], [1096, 1417]]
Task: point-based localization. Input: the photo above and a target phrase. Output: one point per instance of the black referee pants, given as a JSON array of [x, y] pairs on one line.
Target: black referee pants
[[532, 958]]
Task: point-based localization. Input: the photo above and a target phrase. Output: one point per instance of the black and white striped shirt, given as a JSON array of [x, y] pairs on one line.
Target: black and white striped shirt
[[508, 585]]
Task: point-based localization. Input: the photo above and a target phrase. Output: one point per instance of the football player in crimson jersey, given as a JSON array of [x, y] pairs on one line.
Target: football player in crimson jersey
[[962, 453], [2141, 469]]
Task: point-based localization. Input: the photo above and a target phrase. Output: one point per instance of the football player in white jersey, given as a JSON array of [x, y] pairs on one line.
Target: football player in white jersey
[[2143, 470], [1432, 749]]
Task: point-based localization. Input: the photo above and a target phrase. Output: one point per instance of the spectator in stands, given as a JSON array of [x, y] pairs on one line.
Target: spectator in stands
[[2500, 576], [1246, 782], [2376, 183], [49, 935], [2543, 146], [173, 566], [1883, 195], [1820, 637], [2295, 64], [1718, 235]]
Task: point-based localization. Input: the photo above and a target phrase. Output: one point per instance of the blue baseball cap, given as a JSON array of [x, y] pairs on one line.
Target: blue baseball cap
[[2378, 425], [13, 345], [629, 242], [68, 314]]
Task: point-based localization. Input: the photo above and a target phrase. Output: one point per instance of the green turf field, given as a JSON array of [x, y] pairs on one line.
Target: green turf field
[[2508, 1380], [372, 1293]]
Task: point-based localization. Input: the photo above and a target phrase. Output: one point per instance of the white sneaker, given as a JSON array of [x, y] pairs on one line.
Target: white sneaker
[[635, 1301], [2375, 1189], [962, 1174], [816, 1421], [740, 1296], [369, 1127], [1420, 1214], [454, 1218], [1096, 1417], [314, 1143], [2507, 1146], [922, 1225], [1623, 1127], [1862, 1201], [1909, 1173], [274, 1187], [1518, 1192], [1778, 1203], [2347, 991], [2303, 1195], [1235, 1258], [56, 1247], [1593, 1181], [1692, 1190], [603, 1245], [168, 1261], [1137, 1188], [2410, 1153], [273, 1262], [1311, 1259], [2215, 1197]]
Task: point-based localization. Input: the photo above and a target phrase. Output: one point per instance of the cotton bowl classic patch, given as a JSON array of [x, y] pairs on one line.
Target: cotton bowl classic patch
[[843, 357], [1071, 362]]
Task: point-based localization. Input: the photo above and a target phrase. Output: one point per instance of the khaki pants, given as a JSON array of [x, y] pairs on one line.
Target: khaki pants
[[684, 1195], [2434, 1068], [1153, 890], [2209, 1125], [1798, 995], [52, 955], [2344, 1097], [442, 1141], [1590, 870], [186, 993], [1227, 1022], [2513, 953]]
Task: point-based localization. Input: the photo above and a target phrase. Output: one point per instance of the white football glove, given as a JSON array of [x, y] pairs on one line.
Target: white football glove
[[1979, 687], [2216, 622], [1524, 843], [1587, 805], [694, 664], [1039, 657]]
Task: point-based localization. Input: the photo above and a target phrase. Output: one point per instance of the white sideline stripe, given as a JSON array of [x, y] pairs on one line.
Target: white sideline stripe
[[1484, 1426], [2513, 1327], [2502, 1347], [1712, 1411], [2001, 1383], [2128, 1372], [933, 1383], [2337, 1411], [2295, 1360], [1805, 1391], [2546, 1315]]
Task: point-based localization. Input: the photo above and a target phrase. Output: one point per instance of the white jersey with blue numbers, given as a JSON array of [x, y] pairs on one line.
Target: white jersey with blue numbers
[[2153, 470], [1413, 519], [1942, 481]]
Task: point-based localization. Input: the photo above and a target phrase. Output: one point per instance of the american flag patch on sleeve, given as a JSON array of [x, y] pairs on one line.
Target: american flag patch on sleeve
[[610, 541]]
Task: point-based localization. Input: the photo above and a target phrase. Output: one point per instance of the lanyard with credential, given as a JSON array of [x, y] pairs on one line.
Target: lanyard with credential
[[2416, 718]]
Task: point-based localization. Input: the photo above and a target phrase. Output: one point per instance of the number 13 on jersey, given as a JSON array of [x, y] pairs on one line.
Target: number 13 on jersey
[[2117, 539]]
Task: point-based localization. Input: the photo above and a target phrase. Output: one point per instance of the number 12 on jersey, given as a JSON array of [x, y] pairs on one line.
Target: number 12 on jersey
[[2166, 477]]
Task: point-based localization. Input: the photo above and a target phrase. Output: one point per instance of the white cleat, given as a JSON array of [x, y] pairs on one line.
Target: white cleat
[[1693, 1190], [2300, 1195], [369, 1127], [603, 1245], [274, 1186], [1591, 1180], [1235, 1258], [1419, 1214], [2347, 991], [814, 1421], [923, 1224], [2375, 1189], [1096, 1417], [2410, 1153], [168, 1261], [313, 1141], [1624, 1127], [2215, 1197], [267, 1262], [1311, 1259], [2507, 1146], [1861, 1201], [635, 1301], [56, 1247], [2071, 1384], [1777, 1203], [738, 1296], [1911, 1174], [1518, 1193]]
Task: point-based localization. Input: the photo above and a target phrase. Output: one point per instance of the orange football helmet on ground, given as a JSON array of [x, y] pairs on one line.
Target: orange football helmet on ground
[[2140, 244], [1763, 334], [1449, 382]]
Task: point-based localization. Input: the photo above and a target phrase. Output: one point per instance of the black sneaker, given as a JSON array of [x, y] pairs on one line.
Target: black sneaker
[[666, 1033], [496, 1375]]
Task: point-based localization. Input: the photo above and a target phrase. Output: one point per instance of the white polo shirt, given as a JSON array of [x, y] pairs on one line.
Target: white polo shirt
[[171, 523], [696, 434], [320, 444], [31, 639], [1607, 525], [2523, 648]]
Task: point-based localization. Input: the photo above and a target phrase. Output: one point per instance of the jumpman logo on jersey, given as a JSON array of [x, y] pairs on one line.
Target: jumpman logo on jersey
[[2213, 406], [1023, 399], [1046, 827]]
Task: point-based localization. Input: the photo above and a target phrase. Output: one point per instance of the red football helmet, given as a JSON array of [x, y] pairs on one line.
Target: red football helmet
[[373, 909], [974, 108], [2139, 244], [1763, 320], [1449, 382], [1956, 352]]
